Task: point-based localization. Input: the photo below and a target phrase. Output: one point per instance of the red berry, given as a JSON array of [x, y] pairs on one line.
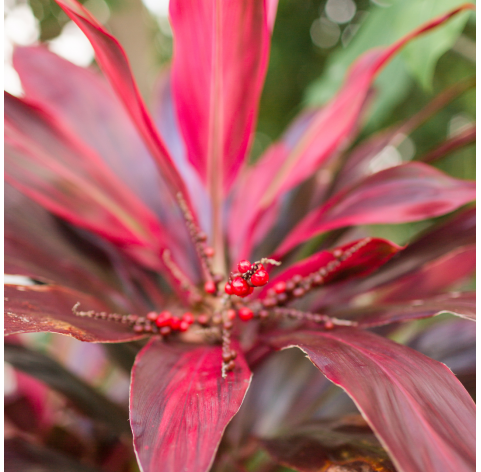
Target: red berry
[[244, 266], [210, 287], [175, 323], [163, 319], [260, 266], [188, 318], [245, 314], [240, 287], [184, 326], [231, 314], [152, 316], [228, 289], [260, 278], [280, 287], [208, 251], [251, 290]]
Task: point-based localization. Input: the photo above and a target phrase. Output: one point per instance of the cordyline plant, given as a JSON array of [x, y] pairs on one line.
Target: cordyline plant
[[153, 227]]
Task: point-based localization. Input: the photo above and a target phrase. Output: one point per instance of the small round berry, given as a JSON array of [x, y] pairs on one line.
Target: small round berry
[[260, 266], [231, 314], [282, 297], [209, 251], [163, 319], [263, 314], [148, 327], [210, 287], [290, 286], [203, 319], [297, 278], [228, 289], [175, 323], [240, 287], [245, 314], [201, 236], [233, 354], [188, 318], [244, 266], [152, 316], [337, 253], [260, 278], [183, 326], [165, 330], [280, 287], [230, 366], [228, 324], [227, 357], [132, 317], [269, 302], [317, 280], [138, 328], [217, 319], [251, 290]]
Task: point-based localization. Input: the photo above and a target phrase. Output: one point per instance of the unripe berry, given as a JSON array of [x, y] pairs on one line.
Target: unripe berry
[[209, 252], [244, 266], [228, 289], [203, 319], [152, 316], [184, 326], [231, 314], [260, 278], [210, 287], [163, 319], [240, 287], [245, 314]]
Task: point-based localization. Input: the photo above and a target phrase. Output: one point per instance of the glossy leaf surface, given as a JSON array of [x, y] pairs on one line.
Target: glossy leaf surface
[[418, 409], [40, 308], [180, 404], [408, 192], [220, 59]]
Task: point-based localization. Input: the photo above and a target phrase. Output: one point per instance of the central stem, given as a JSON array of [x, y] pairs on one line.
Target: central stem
[[215, 169]]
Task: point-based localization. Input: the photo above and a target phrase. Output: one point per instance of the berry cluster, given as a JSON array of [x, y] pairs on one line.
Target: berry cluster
[[249, 276]]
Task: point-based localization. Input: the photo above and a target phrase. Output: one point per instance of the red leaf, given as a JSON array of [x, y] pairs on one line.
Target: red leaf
[[326, 133], [180, 405], [461, 304], [114, 63], [40, 308], [418, 409], [355, 259], [220, 60], [83, 100], [408, 192]]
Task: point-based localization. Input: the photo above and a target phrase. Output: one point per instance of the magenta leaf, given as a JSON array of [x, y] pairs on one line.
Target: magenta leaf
[[220, 60], [355, 259], [418, 409], [344, 444], [461, 304], [114, 63], [289, 162], [180, 405], [40, 308], [409, 192]]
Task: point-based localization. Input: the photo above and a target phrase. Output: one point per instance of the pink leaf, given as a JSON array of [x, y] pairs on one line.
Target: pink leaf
[[327, 132], [114, 63], [220, 60], [48, 308], [180, 405], [351, 260], [409, 192], [418, 409]]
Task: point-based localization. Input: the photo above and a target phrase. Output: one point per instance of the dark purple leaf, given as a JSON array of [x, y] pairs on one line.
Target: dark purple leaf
[[346, 444], [461, 304], [40, 308], [180, 405], [409, 192], [80, 394], [418, 409]]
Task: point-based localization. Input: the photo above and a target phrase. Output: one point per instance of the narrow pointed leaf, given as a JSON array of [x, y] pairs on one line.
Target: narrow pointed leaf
[[408, 192], [82, 395], [180, 405], [220, 60], [326, 133], [114, 64], [350, 260], [48, 308], [418, 409], [462, 304]]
